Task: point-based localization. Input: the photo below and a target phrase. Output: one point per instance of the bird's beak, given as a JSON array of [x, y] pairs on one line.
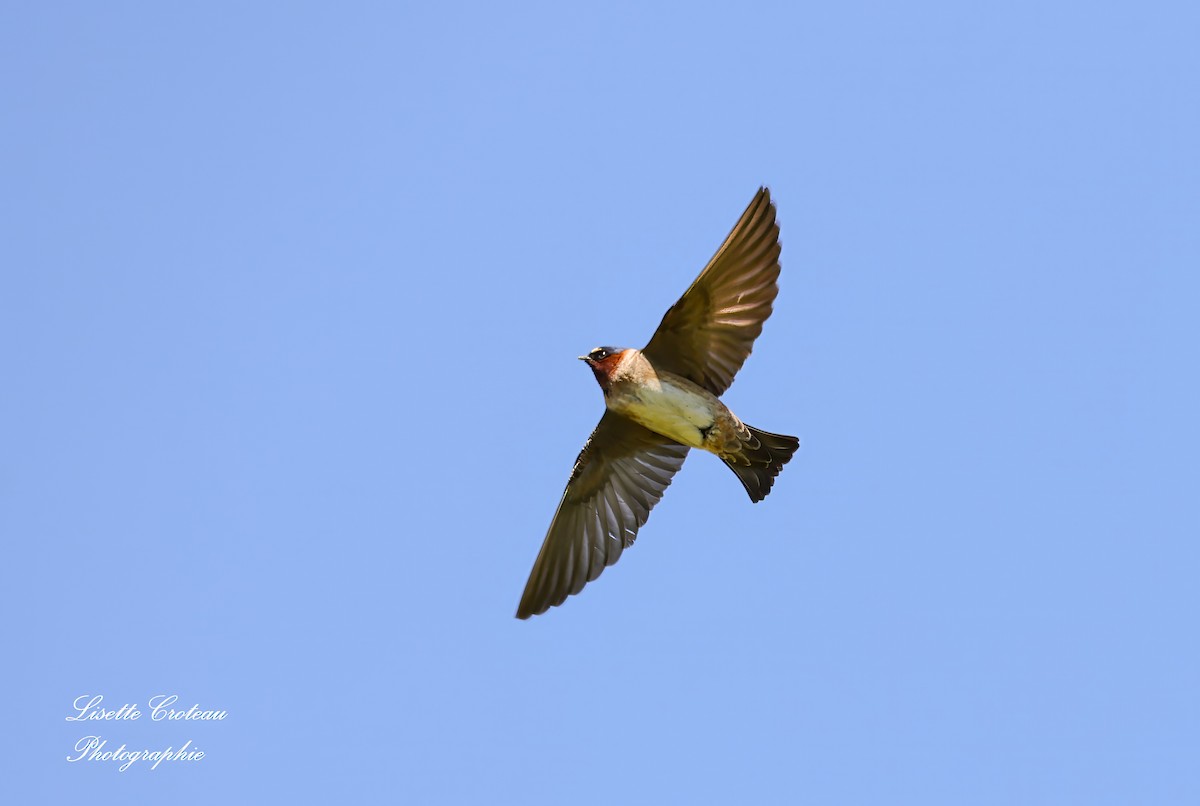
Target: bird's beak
[[584, 358]]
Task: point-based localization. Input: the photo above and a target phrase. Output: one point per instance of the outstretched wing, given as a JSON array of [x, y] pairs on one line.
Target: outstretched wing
[[618, 478], [707, 335]]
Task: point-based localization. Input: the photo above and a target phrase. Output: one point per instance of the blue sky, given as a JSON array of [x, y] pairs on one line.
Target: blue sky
[[291, 301]]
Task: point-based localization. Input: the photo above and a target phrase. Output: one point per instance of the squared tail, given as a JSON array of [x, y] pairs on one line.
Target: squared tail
[[761, 457]]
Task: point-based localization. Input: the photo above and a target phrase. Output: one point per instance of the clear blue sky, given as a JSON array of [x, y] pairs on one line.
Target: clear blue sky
[[290, 308]]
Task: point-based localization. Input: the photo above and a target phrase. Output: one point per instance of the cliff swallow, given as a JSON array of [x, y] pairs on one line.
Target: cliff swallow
[[660, 402]]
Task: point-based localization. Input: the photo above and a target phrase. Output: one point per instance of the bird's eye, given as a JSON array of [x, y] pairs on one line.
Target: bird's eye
[[599, 355]]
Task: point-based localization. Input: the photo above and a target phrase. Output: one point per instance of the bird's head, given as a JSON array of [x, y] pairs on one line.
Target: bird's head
[[603, 361]]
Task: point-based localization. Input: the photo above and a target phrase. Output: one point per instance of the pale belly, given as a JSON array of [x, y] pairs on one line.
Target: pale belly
[[685, 414]]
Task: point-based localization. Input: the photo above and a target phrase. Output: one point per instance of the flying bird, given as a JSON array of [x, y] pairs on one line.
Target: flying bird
[[660, 402]]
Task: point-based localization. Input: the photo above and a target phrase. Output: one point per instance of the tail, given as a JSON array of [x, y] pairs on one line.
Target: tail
[[761, 457]]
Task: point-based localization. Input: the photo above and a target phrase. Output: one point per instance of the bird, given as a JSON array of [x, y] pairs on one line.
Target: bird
[[660, 402]]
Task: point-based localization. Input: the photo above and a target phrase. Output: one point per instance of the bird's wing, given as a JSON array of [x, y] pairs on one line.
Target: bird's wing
[[707, 335], [620, 475]]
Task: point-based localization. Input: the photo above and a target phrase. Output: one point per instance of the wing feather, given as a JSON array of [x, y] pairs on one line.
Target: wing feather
[[707, 335], [620, 475]]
